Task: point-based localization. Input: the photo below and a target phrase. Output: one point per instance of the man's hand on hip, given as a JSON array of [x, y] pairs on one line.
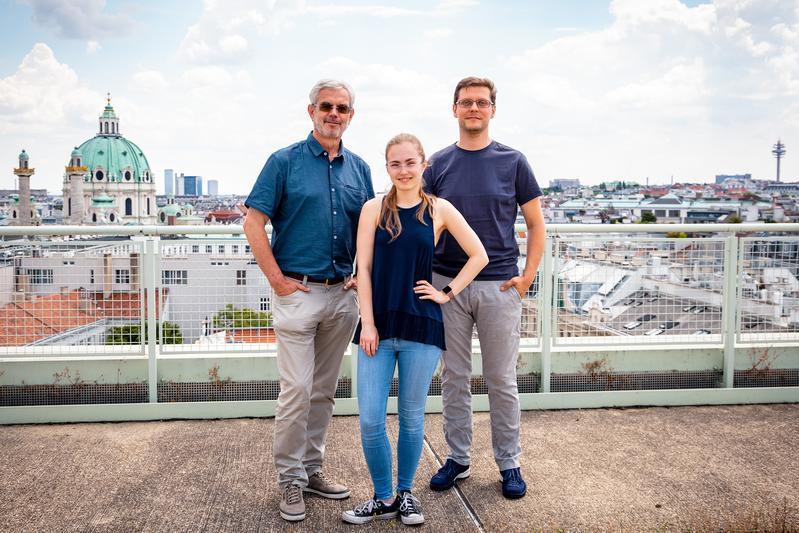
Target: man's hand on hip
[[517, 282], [288, 286]]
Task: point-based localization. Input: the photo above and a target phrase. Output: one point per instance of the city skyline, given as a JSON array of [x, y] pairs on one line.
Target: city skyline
[[591, 90]]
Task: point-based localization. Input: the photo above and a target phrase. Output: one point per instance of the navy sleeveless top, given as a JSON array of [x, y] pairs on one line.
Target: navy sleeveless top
[[396, 267]]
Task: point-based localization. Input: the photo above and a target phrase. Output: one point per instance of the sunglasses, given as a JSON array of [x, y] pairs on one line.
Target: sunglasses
[[327, 107]]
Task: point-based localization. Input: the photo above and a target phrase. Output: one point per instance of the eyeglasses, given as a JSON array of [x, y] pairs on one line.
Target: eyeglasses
[[396, 166], [467, 103], [327, 107]]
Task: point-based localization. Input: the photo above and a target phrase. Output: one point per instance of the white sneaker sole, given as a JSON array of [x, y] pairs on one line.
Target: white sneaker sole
[[352, 519], [412, 520], [329, 495], [292, 517]]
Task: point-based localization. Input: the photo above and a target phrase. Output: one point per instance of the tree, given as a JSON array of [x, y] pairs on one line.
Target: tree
[[233, 317], [131, 334], [648, 217], [734, 219]]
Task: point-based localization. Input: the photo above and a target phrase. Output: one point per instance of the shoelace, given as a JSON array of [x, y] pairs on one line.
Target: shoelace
[[366, 507], [322, 478], [512, 475], [409, 503], [293, 494]]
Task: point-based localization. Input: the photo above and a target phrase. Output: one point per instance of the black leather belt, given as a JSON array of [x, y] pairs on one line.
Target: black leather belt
[[309, 279]]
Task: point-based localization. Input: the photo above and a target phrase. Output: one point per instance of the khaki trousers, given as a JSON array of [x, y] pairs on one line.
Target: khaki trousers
[[313, 330]]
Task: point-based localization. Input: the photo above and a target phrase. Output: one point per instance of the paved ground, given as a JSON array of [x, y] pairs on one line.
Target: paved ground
[[650, 469]]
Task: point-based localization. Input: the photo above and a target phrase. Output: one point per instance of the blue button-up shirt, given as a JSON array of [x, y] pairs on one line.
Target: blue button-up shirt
[[314, 205]]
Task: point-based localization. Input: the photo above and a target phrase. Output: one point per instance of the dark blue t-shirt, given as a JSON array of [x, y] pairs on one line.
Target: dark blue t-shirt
[[486, 186]]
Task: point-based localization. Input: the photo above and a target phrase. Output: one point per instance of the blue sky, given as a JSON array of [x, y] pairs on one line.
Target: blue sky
[[595, 90]]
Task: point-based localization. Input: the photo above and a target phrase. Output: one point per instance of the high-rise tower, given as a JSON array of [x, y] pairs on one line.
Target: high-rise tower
[[778, 151]]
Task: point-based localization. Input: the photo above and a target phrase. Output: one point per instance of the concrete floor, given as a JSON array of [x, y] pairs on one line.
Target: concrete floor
[[644, 469]]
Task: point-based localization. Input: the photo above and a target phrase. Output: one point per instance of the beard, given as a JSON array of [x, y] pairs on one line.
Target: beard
[[330, 130]]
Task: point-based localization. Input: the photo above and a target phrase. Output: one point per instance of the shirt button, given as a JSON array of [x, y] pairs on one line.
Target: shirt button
[[325, 153], [335, 236], [332, 188], [334, 212], [330, 166]]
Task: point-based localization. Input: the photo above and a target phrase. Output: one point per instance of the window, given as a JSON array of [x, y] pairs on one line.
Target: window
[[174, 277], [69, 262], [127, 175], [660, 212], [674, 213], [241, 277], [221, 249], [209, 249], [128, 205], [235, 248], [266, 304], [99, 175], [41, 276], [69, 206], [122, 275], [195, 248], [148, 206], [246, 248], [91, 276]]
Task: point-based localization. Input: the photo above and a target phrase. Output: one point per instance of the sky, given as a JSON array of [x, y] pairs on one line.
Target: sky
[[639, 90]]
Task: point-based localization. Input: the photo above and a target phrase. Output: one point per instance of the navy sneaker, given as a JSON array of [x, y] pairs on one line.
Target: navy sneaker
[[513, 486], [447, 475]]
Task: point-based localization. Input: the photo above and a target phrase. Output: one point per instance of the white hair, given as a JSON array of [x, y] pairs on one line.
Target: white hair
[[331, 84]]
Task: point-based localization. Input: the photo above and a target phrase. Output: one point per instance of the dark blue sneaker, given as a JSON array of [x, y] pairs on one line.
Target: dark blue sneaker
[[513, 486], [447, 475]]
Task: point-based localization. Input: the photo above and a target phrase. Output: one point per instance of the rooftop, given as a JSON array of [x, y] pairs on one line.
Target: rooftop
[[642, 469]]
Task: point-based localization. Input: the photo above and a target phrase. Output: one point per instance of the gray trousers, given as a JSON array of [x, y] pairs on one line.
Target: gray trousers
[[497, 316], [313, 330]]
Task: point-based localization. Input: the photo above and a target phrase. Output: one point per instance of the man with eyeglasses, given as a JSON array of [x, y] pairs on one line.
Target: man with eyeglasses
[[312, 192], [485, 181]]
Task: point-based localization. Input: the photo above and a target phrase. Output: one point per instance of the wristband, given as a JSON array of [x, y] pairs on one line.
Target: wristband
[[448, 291]]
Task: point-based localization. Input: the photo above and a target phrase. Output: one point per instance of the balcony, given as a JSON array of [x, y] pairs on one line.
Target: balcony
[[138, 323]]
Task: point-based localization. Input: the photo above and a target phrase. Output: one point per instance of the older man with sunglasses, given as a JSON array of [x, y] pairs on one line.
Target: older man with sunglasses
[[312, 191]]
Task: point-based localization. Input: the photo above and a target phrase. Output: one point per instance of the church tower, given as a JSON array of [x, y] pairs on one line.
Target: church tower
[[73, 200], [25, 216]]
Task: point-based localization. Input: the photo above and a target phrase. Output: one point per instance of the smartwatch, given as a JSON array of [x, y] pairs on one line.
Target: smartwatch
[[448, 291]]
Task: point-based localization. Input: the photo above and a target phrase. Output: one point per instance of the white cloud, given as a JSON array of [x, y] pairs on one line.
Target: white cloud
[[438, 33], [93, 47], [79, 19], [42, 93], [150, 80]]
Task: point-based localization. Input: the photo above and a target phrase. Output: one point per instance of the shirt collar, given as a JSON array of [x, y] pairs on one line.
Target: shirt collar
[[317, 149]]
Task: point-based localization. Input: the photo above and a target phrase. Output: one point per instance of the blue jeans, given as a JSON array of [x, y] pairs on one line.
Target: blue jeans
[[417, 362]]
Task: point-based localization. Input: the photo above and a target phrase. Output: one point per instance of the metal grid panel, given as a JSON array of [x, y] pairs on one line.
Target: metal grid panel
[[630, 290], [224, 390], [74, 394], [526, 383], [768, 292], [219, 300], [616, 381], [780, 377], [77, 297], [530, 327]]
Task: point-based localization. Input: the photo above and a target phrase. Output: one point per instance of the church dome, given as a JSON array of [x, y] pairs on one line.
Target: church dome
[[111, 157]]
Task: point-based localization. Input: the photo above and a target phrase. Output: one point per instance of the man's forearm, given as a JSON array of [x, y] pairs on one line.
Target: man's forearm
[[262, 251], [535, 250]]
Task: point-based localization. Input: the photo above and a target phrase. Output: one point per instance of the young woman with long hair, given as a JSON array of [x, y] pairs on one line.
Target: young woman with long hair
[[401, 321]]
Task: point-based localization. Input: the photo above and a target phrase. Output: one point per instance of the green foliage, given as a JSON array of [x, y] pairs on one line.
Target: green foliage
[[734, 219], [648, 217], [233, 317], [677, 235], [131, 334]]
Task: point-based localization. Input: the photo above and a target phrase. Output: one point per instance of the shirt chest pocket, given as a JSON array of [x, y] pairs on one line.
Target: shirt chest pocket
[[351, 198]]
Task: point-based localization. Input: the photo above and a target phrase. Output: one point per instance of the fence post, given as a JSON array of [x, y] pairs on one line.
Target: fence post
[[151, 272], [729, 311], [546, 312]]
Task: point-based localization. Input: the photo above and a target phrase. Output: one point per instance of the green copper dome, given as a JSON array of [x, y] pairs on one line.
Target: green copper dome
[[115, 155], [23, 156], [76, 152]]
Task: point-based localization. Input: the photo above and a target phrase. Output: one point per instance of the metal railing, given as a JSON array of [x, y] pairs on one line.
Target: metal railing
[[182, 313]]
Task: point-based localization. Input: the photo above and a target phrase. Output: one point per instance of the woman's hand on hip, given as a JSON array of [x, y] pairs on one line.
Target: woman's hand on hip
[[428, 292]]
